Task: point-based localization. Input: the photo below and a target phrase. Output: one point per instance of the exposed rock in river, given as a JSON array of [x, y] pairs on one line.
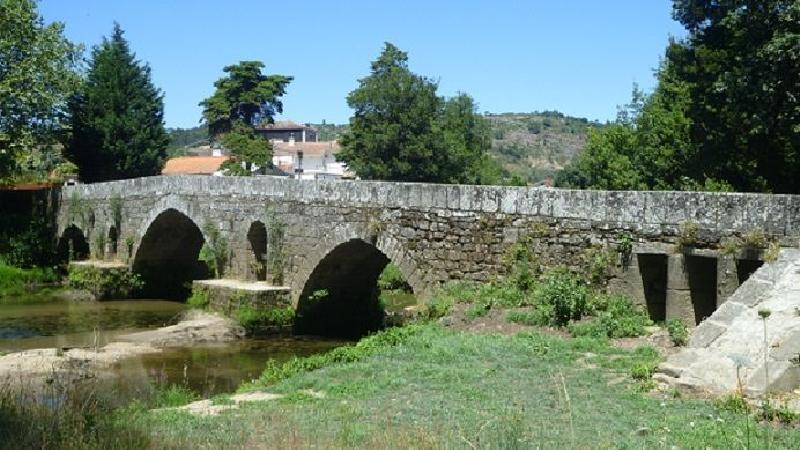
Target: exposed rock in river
[[40, 367]]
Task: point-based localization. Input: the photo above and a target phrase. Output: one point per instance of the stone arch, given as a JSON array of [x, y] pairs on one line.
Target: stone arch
[[167, 256], [342, 233], [257, 237], [339, 295], [72, 245]]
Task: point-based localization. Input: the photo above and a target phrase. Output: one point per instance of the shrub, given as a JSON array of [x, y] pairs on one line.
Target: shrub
[[254, 320], [199, 298], [678, 332], [755, 239], [688, 234], [615, 317], [566, 294], [104, 283], [391, 279]]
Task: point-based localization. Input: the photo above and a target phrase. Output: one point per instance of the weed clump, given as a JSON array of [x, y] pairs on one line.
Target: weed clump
[[678, 332]]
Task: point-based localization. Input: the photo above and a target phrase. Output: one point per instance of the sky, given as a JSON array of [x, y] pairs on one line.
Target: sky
[[580, 57]]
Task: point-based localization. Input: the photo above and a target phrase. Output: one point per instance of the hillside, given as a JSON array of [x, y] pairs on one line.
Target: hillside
[[537, 145]]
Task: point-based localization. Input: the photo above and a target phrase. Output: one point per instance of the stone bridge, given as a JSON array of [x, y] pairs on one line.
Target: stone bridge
[[681, 254]]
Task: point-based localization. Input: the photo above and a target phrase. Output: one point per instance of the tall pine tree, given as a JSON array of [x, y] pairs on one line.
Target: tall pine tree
[[117, 117]]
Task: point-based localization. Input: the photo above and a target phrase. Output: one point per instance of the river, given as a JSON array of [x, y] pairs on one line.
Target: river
[[41, 322]]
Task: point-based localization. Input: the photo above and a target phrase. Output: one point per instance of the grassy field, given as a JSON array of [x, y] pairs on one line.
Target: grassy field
[[436, 388]]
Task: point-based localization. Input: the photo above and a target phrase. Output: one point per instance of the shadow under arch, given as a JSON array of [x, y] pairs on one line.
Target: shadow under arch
[[72, 245], [341, 296], [167, 257], [257, 237]]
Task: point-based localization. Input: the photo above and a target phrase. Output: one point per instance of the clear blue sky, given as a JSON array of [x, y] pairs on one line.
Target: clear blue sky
[[579, 57]]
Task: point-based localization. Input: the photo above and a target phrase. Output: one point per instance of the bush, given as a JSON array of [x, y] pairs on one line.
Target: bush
[[615, 317], [199, 298], [678, 332], [391, 279], [254, 320], [104, 283], [566, 294]]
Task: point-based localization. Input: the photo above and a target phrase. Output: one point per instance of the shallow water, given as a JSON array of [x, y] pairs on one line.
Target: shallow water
[[207, 370]]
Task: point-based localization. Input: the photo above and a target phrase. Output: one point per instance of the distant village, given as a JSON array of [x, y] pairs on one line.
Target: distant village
[[297, 153]]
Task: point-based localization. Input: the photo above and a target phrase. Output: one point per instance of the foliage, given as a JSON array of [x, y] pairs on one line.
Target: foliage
[[172, 396], [79, 420], [688, 234], [29, 244], [562, 297], [199, 299], [214, 251], [755, 239], [613, 316], [402, 130], [364, 348], [598, 263], [773, 252], [724, 114], [243, 99], [117, 116], [392, 279], [182, 138], [733, 403], [38, 72], [678, 332], [248, 148], [254, 320], [276, 242], [15, 281], [104, 283], [742, 68]]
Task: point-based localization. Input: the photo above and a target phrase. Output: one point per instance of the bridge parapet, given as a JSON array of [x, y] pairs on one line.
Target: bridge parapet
[[436, 232]]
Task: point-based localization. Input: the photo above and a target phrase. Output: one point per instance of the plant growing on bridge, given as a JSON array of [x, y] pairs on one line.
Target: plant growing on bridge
[[78, 208], [688, 234], [115, 203], [678, 332], [276, 252], [214, 251]]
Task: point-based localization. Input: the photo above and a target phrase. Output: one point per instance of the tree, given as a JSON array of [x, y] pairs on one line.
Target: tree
[[243, 99], [117, 116], [37, 75], [741, 63], [401, 129]]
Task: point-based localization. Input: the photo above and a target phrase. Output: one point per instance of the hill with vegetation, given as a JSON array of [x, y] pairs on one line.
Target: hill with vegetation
[[534, 146], [531, 146], [182, 138]]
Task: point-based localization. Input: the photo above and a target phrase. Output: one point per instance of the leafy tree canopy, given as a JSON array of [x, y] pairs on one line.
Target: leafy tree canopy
[[37, 75], [725, 114], [243, 99], [741, 65], [117, 116], [245, 96], [402, 130]]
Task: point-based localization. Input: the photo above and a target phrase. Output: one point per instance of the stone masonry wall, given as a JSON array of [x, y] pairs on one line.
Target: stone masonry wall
[[432, 232]]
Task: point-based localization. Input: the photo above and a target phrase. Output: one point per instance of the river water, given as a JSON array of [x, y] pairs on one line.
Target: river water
[[208, 370]]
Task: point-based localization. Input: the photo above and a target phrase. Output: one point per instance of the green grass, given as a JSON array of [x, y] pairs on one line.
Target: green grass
[[15, 281], [432, 388]]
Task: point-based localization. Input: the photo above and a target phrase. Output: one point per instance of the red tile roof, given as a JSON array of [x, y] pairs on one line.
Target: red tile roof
[[193, 165]]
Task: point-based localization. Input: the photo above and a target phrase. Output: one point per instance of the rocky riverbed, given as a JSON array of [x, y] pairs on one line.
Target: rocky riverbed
[[38, 368]]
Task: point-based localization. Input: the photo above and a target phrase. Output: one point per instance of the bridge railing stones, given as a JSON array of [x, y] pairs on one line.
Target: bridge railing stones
[[775, 214]]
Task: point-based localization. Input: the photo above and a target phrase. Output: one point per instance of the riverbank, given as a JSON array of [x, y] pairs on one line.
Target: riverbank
[[15, 281], [438, 388]]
